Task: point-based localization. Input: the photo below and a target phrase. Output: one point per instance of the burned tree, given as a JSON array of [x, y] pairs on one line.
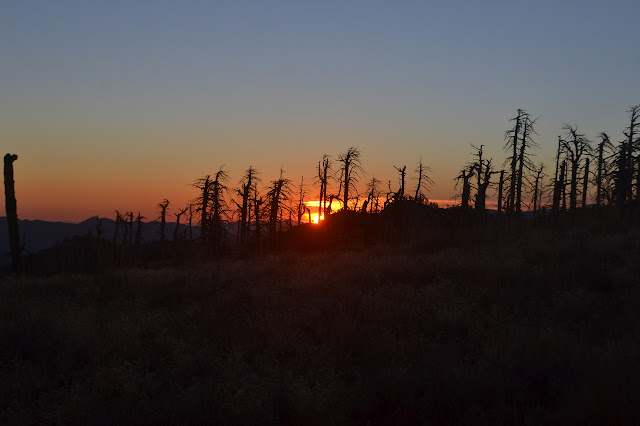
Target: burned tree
[[245, 192], [512, 137], [519, 142], [481, 195], [177, 228], [350, 170], [603, 168], [424, 181], [163, 205], [465, 176], [626, 161], [373, 194], [302, 207], [500, 191], [277, 196], [585, 183], [537, 188], [324, 167], [203, 184], [12, 213], [399, 196], [576, 148]]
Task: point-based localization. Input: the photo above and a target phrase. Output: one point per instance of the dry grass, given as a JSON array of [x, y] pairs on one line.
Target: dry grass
[[528, 327]]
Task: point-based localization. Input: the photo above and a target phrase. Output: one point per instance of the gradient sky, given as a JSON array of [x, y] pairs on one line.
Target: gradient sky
[[119, 104]]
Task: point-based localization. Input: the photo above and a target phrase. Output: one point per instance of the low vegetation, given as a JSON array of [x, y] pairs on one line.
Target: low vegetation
[[518, 325]]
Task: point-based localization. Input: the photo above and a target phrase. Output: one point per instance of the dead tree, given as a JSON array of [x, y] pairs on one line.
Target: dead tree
[[99, 228], [577, 147], [536, 191], [604, 149], [257, 203], [138, 240], [302, 207], [190, 222], [481, 194], [277, 196], [424, 181], [217, 209], [351, 170], [626, 162], [373, 194], [500, 189], [585, 183], [524, 161], [177, 228], [324, 167], [11, 208], [558, 188], [203, 184], [403, 173], [512, 136], [163, 218], [465, 176], [244, 192], [130, 232]]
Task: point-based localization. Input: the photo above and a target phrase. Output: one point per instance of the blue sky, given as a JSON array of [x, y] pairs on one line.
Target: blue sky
[[142, 95]]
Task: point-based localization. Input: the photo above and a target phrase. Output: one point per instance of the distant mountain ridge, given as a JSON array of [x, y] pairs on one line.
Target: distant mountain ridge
[[37, 235]]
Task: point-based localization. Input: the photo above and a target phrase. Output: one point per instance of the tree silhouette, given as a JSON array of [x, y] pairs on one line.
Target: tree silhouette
[[403, 173], [424, 181], [324, 167], [576, 148], [605, 151], [277, 196], [163, 205], [350, 171], [177, 228], [11, 208], [374, 194], [245, 192]]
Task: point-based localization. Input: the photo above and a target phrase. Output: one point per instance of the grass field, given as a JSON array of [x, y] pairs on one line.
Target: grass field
[[526, 326]]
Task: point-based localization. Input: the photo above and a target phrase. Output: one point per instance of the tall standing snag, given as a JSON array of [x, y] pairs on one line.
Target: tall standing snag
[[12, 213], [351, 170]]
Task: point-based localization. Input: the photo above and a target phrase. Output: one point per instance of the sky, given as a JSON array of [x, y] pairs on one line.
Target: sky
[[120, 104]]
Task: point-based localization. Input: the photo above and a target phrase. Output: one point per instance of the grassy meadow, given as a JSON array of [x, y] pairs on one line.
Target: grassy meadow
[[505, 324]]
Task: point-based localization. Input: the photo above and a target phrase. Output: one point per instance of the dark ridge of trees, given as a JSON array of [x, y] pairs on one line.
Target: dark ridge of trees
[[11, 207], [256, 223]]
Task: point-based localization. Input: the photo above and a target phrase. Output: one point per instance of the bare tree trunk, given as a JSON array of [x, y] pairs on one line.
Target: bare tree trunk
[[500, 186], [523, 146], [12, 214], [512, 183], [466, 189], [599, 173], [586, 182]]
